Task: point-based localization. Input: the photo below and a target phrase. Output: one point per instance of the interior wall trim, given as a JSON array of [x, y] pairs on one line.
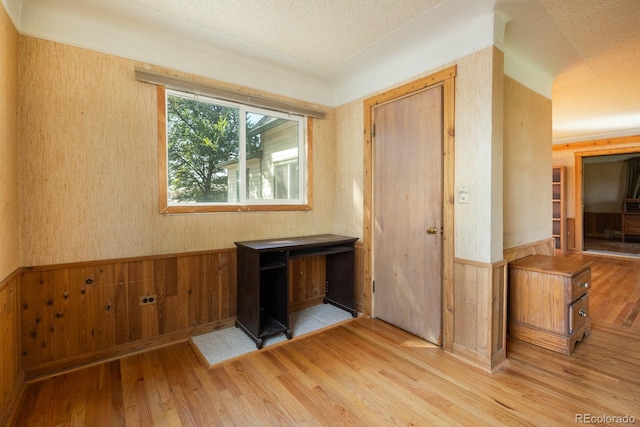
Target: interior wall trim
[[597, 143], [544, 247], [5, 282]]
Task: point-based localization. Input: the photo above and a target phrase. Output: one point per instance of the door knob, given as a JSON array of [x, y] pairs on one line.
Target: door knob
[[432, 230]]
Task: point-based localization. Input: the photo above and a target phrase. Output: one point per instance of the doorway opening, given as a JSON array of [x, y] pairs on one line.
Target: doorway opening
[[601, 193]]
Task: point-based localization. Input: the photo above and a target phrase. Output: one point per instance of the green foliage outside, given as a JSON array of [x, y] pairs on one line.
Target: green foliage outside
[[200, 137]]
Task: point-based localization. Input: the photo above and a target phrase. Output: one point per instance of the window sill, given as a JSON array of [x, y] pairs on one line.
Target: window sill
[[231, 208]]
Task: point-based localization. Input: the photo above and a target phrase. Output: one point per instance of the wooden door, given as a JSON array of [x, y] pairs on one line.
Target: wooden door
[[407, 245]]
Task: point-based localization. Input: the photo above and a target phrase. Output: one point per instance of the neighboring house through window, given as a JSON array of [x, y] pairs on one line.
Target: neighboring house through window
[[286, 179], [224, 156]]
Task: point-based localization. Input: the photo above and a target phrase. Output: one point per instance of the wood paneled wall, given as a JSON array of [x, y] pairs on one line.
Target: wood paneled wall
[[11, 374], [307, 280], [72, 314], [75, 314], [542, 247], [480, 313], [571, 234], [602, 224]]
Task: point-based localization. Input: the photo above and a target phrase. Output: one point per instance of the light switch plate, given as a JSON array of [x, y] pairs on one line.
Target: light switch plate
[[463, 195]]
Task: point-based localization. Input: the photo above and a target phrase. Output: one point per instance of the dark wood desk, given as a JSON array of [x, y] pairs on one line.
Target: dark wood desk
[[263, 280]]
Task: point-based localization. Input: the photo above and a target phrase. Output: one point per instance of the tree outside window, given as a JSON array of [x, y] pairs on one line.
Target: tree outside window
[[220, 153]]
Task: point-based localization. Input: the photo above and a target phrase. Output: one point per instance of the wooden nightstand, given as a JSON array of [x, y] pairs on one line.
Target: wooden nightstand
[[549, 301]]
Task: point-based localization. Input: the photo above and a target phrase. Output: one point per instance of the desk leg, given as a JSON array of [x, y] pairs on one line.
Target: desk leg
[[353, 311], [339, 288], [255, 339]]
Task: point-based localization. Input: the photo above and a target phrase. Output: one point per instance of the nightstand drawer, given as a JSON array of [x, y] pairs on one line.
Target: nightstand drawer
[[631, 224], [580, 284], [578, 313]]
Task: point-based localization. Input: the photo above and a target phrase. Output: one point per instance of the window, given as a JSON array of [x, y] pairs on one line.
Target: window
[[286, 179], [224, 156]]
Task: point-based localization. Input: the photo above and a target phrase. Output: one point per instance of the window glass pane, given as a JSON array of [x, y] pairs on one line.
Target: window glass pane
[[202, 139], [221, 153], [271, 141], [282, 181], [286, 180], [294, 182]]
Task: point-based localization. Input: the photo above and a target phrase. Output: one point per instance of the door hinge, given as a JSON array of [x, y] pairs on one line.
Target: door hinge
[[374, 287], [373, 130]]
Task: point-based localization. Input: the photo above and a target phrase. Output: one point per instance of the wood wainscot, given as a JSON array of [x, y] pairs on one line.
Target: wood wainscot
[[480, 313], [71, 315], [11, 373]]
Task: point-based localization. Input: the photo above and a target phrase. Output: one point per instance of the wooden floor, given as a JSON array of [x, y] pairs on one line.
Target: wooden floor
[[364, 373], [613, 245], [614, 298]]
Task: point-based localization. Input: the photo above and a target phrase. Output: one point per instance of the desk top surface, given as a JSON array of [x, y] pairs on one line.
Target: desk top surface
[[299, 242]]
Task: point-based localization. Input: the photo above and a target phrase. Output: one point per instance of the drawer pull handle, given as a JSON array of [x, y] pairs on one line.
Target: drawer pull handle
[[584, 285], [582, 312]]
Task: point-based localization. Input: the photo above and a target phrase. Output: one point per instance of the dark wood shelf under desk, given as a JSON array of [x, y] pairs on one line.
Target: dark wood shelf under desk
[[263, 279]]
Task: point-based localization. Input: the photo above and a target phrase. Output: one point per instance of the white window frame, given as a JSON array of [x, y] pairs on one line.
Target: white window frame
[[244, 204]]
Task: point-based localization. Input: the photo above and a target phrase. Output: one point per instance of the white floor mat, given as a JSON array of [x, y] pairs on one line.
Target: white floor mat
[[228, 343]]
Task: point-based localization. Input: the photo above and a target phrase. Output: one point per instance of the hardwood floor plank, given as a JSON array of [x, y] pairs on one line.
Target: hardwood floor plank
[[365, 383], [615, 292], [223, 415], [137, 410], [395, 371], [578, 390], [364, 372], [327, 390], [275, 398], [157, 390], [317, 415], [104, 393], [191, 399], [440, 372], [45, 412]]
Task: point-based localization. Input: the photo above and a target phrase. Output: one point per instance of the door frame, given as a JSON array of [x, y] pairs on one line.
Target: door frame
[[445, 78], [579, 186]]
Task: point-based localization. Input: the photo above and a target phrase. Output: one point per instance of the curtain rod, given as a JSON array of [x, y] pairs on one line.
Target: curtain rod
[[185, 85]]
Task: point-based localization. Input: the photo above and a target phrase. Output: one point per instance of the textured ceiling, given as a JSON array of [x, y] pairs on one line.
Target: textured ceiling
[[343, 49], [322, 32], [601, 94]]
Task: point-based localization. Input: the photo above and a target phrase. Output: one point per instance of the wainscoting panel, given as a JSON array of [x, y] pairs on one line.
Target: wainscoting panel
[[11, 374], [307, 280], [542, 247], [74, 314], [480, 312]]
